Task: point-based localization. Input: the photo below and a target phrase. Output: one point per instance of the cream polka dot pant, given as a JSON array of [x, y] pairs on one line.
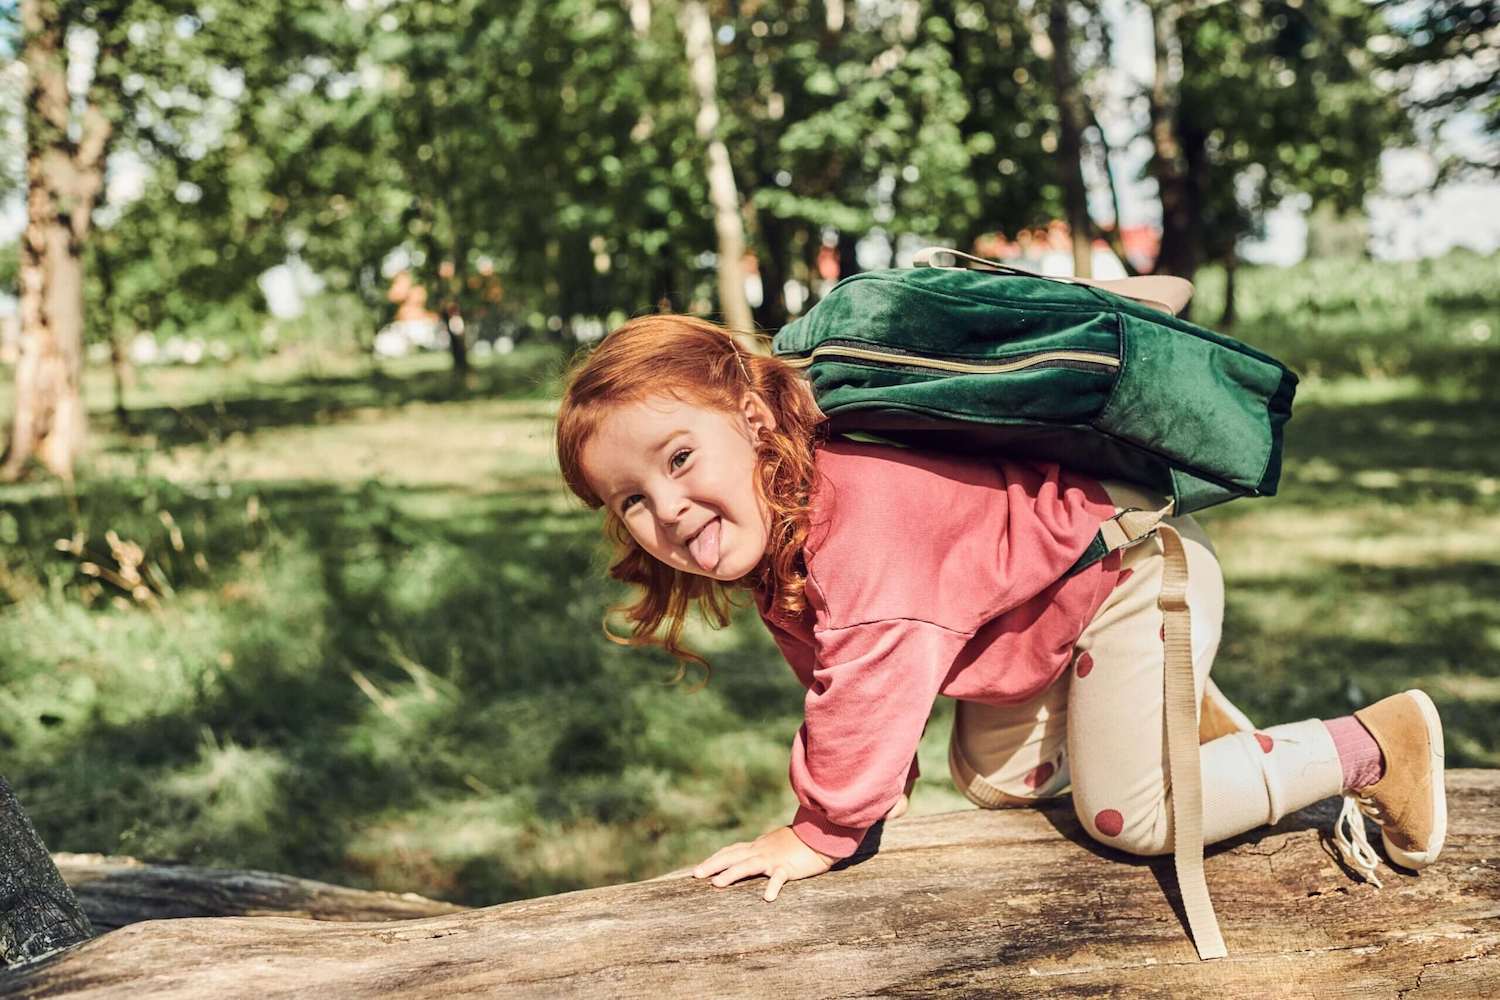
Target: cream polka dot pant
[[1100, 728]]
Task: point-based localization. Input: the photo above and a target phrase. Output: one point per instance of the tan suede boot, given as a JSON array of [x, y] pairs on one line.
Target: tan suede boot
[[1409, 801]]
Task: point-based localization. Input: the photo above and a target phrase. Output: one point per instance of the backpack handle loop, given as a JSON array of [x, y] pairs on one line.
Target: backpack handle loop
[[1159, 291], [931, 257]]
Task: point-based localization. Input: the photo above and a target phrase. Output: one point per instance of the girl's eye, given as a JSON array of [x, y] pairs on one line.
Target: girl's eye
[[684, 451]]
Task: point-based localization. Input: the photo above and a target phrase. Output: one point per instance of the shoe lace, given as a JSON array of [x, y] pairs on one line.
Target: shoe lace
[[1349, 837]]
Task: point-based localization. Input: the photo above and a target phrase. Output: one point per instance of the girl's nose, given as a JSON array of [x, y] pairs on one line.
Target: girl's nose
[[674, 507]]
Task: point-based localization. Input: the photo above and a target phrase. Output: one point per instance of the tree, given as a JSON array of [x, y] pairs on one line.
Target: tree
[[65, 178], [697, 34], [159, 72], [1003, 68], [1070, 125], [1447, 41], [841, 120], [1250, 103]]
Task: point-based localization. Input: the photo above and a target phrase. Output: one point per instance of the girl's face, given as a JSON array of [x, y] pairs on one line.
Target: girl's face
[[682, 479]]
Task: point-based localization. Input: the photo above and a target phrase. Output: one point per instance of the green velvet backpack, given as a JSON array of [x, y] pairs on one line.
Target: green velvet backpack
[[1002, 360]]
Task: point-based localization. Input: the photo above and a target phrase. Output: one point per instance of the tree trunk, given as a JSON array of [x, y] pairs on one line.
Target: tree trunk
[[728, 223], [1014, 902], [774, 264], [38, 913], [119, 366], [1070, 139], [848, 255], [64, 180], [1180, 208], [1115, 234], [1227, 317], [116, 891]]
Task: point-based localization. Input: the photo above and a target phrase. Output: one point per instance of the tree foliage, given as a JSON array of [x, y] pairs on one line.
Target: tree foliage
[[1271, 98], [537, 159], [1452, 45]]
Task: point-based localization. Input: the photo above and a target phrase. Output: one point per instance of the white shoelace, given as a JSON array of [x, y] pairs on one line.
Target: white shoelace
[[1349, 837]]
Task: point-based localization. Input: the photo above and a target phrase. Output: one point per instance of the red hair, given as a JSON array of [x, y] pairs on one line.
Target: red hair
[[697, 362]]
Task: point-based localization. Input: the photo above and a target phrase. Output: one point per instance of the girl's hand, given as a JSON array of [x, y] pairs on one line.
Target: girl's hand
[[781, 855]]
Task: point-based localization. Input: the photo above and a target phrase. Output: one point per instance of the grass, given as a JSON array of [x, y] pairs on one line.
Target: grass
[[365, 645]]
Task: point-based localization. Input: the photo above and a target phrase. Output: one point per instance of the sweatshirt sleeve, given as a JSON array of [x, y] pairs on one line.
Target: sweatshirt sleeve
[[872, 690]]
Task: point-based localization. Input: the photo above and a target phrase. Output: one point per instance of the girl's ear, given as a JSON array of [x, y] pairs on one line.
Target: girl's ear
[[757, 414]]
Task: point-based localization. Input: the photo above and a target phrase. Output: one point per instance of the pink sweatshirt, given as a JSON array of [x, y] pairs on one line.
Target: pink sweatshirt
[[928, 574]]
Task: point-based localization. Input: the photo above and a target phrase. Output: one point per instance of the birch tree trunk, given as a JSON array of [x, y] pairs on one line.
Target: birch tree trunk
[[64, 181], [728, 223]]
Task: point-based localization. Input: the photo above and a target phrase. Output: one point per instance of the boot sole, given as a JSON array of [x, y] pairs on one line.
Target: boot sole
[[1421, 859]]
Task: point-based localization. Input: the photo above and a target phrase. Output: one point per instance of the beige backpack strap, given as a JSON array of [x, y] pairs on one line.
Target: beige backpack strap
[[1130, 526], [1183, 765]]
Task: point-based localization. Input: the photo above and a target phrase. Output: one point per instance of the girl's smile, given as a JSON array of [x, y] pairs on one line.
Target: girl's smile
[[681, 478]]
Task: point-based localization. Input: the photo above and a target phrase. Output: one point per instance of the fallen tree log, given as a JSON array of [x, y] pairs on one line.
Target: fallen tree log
[[115, 891], [1015, 903]]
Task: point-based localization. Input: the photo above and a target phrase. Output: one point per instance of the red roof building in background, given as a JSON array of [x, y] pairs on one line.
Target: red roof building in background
[[1048, 245]]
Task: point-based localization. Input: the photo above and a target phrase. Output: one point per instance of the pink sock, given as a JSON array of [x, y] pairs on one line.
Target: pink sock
[[1359, 754]]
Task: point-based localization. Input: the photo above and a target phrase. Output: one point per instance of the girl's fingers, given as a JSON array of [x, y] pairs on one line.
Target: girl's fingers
[[719, 860], [743, 869], [778, 879]]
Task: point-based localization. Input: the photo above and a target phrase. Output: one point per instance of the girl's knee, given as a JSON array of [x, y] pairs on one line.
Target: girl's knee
[[1143, 833]]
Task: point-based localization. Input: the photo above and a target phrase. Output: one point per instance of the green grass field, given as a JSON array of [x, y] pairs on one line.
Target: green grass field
[[365, 642]]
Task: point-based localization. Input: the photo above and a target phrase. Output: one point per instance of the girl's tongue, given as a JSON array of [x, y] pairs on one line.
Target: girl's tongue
[[705, 548]]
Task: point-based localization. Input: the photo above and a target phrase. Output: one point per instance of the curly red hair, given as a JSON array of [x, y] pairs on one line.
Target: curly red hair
[[700, 363]]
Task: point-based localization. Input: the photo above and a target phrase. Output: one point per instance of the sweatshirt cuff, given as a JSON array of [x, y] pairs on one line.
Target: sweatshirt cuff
[[825, 836]]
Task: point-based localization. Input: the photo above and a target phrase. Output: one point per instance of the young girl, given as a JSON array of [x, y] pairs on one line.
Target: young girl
[[889, 576]]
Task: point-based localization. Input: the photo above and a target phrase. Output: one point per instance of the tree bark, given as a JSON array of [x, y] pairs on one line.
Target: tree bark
[[848, 255], [64, 180], [1114, 235], [1178, 191], [1007, 903], [774, 265], [1228, 317], [116, 891], [1070, 139], [698, 36], [38, 913]]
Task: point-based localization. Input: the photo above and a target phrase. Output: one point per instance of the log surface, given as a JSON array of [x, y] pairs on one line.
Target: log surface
[[115, 891], [966, 904]]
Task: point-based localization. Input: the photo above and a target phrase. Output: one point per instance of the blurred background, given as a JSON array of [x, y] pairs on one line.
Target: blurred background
[[288, 579]]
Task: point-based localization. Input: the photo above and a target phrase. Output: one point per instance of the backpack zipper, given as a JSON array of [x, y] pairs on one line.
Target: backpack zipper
[[1041, 359]]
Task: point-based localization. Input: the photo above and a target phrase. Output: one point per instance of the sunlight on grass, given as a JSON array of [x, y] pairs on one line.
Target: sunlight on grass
[[237, 785]]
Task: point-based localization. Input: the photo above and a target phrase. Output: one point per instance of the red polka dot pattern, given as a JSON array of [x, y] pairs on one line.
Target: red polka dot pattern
[[1109, 822], [1039, 775], [1265, 742], [1085, 665], [1124, 575]]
